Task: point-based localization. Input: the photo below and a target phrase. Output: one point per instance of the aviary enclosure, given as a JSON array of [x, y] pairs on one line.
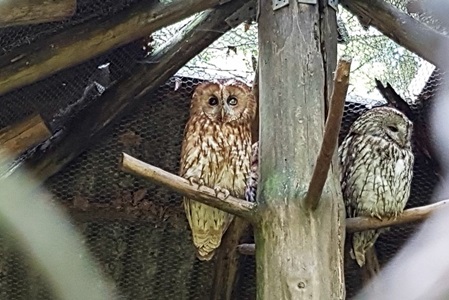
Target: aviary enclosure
[[84, 82]]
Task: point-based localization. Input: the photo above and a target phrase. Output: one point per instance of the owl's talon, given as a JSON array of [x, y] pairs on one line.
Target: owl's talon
[[199, 182], [219, 190]]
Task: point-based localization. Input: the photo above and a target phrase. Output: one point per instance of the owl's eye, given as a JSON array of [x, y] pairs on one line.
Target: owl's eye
[[213, 101], [393, 128], [232, 101]]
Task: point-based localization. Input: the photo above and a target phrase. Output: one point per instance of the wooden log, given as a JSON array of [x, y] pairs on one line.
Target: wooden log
[[299, 253], [19, 137], [121, 98], [43, 58], [23, 12]]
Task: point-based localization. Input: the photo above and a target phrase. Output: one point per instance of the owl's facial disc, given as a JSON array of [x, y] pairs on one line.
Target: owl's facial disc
[[398, 131]]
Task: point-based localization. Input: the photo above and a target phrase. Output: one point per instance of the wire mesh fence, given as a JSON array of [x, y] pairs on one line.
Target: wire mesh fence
[[137, 230]]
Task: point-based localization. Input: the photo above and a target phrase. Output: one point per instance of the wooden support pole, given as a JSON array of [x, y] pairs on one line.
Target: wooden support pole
[[299, 253], [19, 137], [402, 28], [44, 58], [255, 90], [23, 12]]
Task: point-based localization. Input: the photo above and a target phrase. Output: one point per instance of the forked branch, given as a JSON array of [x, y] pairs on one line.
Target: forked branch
[[181, 185], [417, 214], [331, 131]]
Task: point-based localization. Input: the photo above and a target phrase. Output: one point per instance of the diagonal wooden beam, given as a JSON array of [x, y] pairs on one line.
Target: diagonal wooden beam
[[100, 115], [402, 28], [41, 59], [23, 12]]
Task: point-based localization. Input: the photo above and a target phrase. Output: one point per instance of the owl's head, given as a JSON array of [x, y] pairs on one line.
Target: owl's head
[[224, 101], [385, 122]]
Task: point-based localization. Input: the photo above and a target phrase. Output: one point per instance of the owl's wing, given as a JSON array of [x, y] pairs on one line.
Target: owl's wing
[[208, 224]]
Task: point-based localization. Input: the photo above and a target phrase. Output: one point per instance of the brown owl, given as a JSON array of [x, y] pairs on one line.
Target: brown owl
[[376, 170], [216, 152]]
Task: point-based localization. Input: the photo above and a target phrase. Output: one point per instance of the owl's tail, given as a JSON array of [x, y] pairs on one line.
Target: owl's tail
[[361, 242], [208, 225]]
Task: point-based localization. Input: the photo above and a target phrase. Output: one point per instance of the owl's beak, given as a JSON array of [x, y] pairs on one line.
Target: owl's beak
[[222, 113]]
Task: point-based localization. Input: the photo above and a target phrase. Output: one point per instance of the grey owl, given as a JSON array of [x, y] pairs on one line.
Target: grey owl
[[376, 170]]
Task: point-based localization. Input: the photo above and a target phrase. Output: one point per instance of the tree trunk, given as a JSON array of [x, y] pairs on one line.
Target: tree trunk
[[299, 252], [23, 12]]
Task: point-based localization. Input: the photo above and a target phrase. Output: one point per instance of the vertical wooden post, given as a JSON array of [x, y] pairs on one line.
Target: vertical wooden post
[[299, 252]]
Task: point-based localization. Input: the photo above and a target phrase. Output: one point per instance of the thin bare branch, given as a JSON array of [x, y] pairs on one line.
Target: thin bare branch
[[331, 131], [417, 214], [402, 28], [181, 185]]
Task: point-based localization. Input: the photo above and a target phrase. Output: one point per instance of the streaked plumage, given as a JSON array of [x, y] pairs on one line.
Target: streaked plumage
[[216, 152], [376, 170], [253, 178]]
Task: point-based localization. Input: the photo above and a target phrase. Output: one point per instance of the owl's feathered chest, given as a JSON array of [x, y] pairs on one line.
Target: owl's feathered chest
[[219, 154], [376, 175]]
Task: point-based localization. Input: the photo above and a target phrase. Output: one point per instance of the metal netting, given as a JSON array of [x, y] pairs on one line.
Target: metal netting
[[137, 230]]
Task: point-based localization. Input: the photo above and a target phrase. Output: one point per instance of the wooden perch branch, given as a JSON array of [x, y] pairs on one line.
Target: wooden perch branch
[[123, 97], [44, 58], [417, 214], [331, 131], [19, 137], [408, 216], [402, 28], [23, 12], [181, 185]]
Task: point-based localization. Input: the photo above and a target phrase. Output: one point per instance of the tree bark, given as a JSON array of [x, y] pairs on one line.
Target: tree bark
[[19, 137], [23, 12], [44, 58], [299, 252]]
